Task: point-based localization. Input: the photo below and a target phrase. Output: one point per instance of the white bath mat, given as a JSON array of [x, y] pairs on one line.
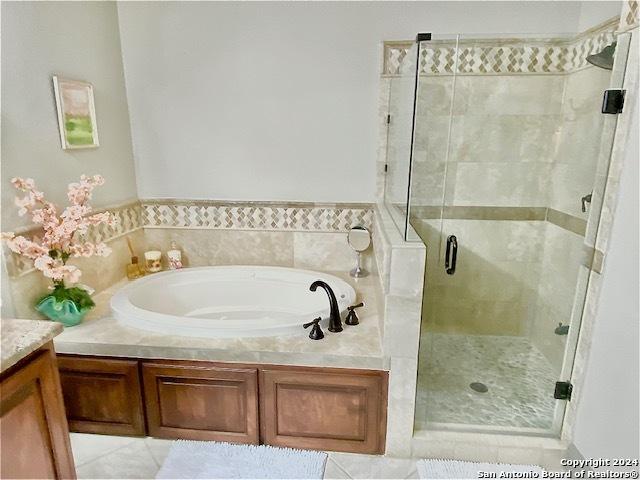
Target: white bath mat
[[458, 469], [190, 459]]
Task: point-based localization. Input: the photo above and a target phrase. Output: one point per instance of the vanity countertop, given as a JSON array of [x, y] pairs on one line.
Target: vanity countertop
[[22, 337], [355, 347]]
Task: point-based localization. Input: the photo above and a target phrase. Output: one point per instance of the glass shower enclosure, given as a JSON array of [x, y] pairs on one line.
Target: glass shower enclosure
[[497, 158]]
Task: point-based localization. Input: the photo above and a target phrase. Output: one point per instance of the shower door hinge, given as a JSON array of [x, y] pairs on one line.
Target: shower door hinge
[[563, 391], [386, 167], [613, 101], [388, 119]]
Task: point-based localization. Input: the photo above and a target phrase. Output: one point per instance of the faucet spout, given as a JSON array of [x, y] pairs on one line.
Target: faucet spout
[[335, 323]]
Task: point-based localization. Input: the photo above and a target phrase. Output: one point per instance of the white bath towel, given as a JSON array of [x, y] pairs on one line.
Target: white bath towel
[[190, 459], [459, 469]]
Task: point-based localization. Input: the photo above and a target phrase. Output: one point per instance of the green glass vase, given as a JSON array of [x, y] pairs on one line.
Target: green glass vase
[[64, 311]]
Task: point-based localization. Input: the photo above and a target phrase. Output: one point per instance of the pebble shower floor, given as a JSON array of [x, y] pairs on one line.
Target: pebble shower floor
[[519, 379]]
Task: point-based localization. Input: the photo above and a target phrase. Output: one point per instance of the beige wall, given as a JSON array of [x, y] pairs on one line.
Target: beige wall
[[78, 40], [277, 100]]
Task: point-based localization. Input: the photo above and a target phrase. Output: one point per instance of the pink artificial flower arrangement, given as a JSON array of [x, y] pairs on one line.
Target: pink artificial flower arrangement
[[63, 234]]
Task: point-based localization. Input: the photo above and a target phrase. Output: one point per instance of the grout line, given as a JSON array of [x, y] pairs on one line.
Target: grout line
[[153, 457], [103, 454], [412, 471], [340, 467]]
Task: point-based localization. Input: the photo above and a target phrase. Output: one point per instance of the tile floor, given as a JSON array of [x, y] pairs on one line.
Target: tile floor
[[519, 378], [103, 456]]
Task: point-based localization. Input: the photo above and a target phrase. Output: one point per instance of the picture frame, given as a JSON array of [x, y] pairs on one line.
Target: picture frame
[[76, 110]]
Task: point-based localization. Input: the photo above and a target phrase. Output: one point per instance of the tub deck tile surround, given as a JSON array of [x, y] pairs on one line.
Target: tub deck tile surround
[[128, 217], [355, 347], [401, 269], [214, 215]]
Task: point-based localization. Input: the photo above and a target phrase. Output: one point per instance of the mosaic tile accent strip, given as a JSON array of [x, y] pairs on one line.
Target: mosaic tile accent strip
[[129, 219], [519, 378], [255, 215], [499, 56], [629, 17]]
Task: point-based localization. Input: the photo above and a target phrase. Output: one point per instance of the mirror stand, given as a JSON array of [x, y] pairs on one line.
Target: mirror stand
[[359, 271]]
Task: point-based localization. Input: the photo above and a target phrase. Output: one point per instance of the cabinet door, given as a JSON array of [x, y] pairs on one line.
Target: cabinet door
[[325, 410], [200, 401], [102, 395], [33, 429]]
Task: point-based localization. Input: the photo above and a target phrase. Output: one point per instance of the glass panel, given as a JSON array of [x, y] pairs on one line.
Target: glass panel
[[434, 103], [401, 112], [525, 146]]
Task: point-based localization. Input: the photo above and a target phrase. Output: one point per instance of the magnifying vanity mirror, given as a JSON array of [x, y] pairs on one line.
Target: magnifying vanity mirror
[[359, 239]]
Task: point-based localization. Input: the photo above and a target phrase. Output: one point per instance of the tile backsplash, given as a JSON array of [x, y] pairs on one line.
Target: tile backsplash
[[255, 215], [213, 215]]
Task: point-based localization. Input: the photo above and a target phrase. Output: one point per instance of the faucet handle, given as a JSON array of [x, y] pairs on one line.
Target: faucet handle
[[316, 332], [352, 318]]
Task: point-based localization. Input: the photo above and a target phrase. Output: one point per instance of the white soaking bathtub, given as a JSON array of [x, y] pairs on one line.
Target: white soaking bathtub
[[228, 301]]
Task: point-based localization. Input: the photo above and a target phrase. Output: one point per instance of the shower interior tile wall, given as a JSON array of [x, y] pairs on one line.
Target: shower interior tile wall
[[496, 284], [528, 137]]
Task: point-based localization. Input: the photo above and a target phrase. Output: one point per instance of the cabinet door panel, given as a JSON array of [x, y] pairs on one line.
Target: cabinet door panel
[[102, 395], [201, 402], [33, 429], [309, 408]]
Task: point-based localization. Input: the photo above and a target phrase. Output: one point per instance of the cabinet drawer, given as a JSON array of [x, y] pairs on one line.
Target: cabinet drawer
[[201, 402], [102, 395], [309, 408]]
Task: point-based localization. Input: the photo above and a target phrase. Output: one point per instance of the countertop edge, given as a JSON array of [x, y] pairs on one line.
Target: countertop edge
[[21, 337], [147, 352]]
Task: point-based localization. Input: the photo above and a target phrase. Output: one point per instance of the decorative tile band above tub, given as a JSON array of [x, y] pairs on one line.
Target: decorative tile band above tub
[[129, 219], [501, 56], [204, 214], [629, 17]]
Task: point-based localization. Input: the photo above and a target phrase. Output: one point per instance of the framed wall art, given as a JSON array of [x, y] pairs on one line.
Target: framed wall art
[[76, 113]]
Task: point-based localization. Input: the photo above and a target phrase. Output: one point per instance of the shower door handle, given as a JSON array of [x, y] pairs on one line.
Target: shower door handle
[[451, 255]]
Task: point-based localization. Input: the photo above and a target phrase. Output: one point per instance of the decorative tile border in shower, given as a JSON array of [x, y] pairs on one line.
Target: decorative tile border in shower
[[481, 213], [629, 17], [129, 219], [591, 258], [315, 217], [563, 220], [501, 56], [568, 222]]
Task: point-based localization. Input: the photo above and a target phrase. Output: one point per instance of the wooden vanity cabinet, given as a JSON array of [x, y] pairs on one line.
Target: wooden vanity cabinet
[[102, 395], [301, 407], [324, 409], [201, 401], [33, 427]]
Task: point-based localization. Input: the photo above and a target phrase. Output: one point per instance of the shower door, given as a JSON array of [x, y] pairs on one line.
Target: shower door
[[510, 159]]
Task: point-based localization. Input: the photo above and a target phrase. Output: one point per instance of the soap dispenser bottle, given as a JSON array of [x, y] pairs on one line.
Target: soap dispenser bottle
[[175, 257]]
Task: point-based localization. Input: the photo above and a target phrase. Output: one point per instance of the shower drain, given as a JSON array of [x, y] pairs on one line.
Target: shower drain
[[478, 387]]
